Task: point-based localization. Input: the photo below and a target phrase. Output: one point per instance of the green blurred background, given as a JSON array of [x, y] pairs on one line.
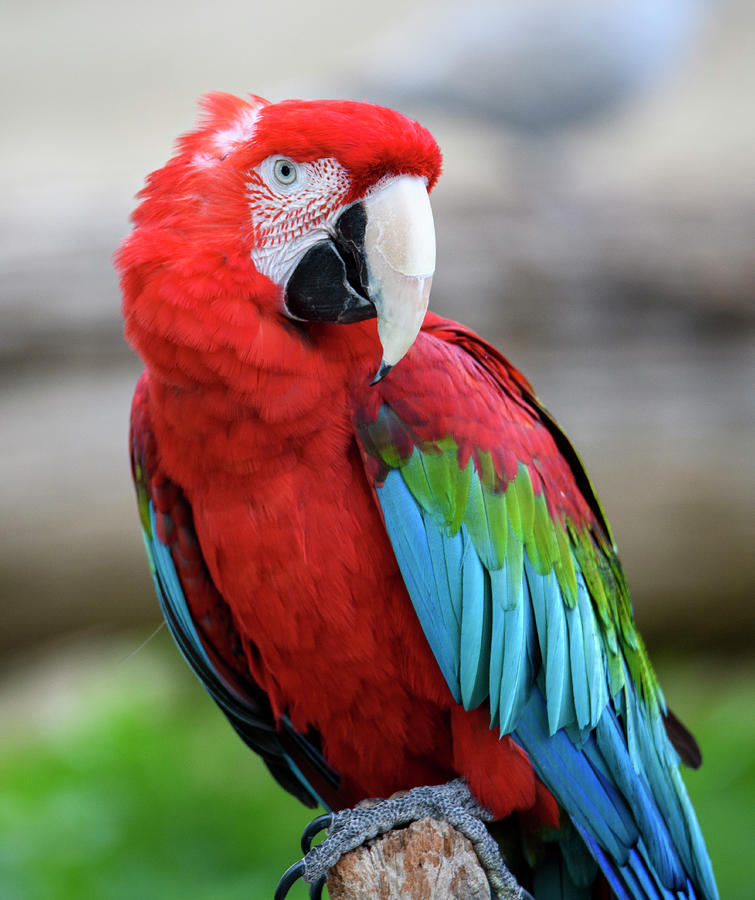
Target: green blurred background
[[120, 779], [595, 220]]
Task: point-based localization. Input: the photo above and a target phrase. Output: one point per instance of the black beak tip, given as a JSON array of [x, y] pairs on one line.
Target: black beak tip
[[381, 372]]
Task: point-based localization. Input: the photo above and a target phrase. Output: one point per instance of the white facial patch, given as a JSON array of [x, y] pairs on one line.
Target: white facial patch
[[287, 219], [278, 261]]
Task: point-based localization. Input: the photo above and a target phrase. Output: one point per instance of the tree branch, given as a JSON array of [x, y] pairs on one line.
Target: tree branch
[[427, 860]]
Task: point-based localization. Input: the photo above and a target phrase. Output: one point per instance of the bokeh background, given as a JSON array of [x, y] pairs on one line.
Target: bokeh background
[[596, 221]]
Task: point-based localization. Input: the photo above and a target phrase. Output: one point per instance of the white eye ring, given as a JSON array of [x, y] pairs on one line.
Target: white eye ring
[[285, 171]]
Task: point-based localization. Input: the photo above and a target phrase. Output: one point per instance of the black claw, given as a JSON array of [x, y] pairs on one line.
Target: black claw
[[291, 875], [314, 828], [315, 890]]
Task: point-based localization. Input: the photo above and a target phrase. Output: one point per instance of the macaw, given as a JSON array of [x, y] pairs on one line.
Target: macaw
[[370, 540]]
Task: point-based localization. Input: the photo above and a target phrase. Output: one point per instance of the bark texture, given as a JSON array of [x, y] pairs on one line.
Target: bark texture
[[428, 860]]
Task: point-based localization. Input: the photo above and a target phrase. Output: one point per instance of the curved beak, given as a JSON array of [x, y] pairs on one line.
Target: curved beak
[[399, 248], [379, 261]]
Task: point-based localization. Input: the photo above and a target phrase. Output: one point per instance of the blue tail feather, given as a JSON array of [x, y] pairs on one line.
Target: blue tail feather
[[610, 805]]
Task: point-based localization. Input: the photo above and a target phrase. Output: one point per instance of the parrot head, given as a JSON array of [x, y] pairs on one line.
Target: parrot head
[[321, 206]]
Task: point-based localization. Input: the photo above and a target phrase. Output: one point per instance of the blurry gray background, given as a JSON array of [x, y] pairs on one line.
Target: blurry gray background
[[595, 221]]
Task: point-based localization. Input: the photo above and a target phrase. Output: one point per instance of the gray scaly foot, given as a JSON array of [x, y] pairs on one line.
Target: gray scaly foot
[[350, 828]]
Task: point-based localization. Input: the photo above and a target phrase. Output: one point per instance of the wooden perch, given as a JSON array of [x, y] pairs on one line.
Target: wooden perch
[[429, 860]]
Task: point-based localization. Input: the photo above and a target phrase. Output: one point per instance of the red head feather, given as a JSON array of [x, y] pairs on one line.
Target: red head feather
[[193, 301], [234, 135]]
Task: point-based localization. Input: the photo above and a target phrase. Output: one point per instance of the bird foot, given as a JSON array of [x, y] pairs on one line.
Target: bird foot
[[350, 828]]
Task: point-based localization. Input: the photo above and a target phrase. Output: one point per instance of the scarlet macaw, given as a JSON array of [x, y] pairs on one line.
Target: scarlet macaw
[[386, 577]]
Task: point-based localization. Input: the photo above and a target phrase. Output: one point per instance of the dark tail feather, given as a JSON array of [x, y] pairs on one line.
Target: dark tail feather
[[684, 743]]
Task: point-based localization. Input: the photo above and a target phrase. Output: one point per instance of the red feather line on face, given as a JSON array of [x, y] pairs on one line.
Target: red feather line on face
[[278, 219]]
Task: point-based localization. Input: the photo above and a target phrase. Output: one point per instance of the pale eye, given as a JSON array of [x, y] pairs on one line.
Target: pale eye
[[285, 171]]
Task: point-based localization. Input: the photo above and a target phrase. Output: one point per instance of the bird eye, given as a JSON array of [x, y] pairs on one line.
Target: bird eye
[[285, 171]]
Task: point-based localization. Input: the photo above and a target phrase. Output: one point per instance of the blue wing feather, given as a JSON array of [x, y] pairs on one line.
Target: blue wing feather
[[580, 674], [595, 655], [498, 643], [476, 626], [447, 551], [170, 595], [491, 630], [652, 823], [593, 801], [285, 751], [518, 637], [408, 532], [550, 617]]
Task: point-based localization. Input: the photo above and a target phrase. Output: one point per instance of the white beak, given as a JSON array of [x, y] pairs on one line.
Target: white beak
[[399, 244]]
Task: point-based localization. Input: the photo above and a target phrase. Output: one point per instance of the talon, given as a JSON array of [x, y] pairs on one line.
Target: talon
[[291, 875], [315, 890], [314, 827], [350, 828]]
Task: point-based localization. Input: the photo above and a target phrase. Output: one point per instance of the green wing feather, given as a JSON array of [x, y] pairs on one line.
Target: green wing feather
[[513, 573], [509, 522]]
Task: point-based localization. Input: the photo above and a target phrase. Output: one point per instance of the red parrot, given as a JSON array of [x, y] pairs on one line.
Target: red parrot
[[373, 545]]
